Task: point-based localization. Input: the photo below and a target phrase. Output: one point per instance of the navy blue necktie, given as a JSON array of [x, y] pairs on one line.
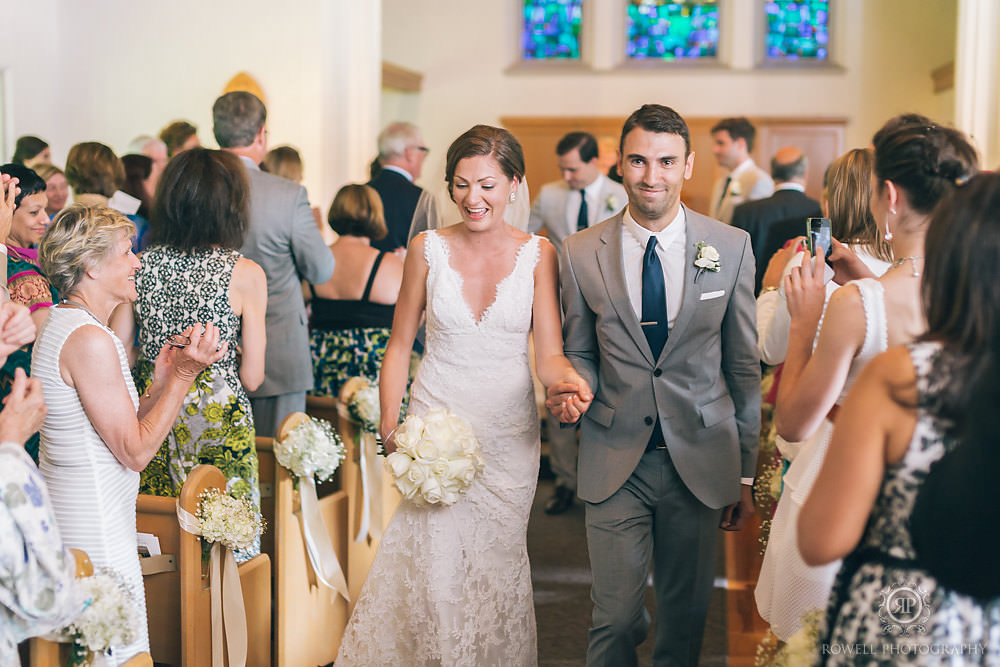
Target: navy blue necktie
[[582, 219], [725, 189], [654, 300]]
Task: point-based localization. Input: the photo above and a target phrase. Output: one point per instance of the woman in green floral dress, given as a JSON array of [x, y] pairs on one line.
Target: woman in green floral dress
[[192, 272]]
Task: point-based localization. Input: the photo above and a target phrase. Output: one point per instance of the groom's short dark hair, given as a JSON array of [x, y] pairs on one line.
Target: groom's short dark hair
[[657, 118]]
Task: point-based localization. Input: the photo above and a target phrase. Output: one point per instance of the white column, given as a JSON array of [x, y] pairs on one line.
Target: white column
[[977, 77], [351, 85]]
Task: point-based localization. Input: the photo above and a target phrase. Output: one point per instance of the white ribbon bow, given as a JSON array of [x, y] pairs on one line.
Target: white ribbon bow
[[227, 598], [372, 517]]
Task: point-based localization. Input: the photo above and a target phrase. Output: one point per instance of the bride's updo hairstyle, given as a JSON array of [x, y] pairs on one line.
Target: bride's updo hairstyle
[[923, 158], [485, 140]]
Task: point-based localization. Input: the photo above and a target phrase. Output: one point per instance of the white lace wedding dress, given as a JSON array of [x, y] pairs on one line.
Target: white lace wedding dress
[[451, 585]]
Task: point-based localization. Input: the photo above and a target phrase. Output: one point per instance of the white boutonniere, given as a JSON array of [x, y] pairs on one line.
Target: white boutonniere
[[707, 258], [611, 203], [734, 189]]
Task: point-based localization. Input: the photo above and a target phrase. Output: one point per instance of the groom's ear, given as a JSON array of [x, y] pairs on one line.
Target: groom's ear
[[689, 166]]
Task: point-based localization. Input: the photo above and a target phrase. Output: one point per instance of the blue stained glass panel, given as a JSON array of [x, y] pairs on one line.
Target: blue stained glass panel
[[670, 31], [797, 30], [551, 29]]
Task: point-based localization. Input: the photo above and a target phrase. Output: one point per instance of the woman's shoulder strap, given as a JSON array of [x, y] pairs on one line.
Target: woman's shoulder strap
[[371, 276]]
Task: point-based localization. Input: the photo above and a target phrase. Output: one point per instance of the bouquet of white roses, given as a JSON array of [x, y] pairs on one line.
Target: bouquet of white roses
[[436, 458], [109, 617], [233, 522], [311, 448], [363, 406]]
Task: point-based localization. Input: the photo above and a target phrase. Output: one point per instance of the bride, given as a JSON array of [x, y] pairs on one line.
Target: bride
[[451, 584]]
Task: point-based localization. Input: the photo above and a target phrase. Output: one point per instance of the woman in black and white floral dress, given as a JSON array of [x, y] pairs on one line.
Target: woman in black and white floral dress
[[192, 272], [912, 406]]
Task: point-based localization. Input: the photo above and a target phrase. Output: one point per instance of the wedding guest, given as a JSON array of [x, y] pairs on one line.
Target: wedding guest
[[194, 272], [179, 136], [26, 283], [916, 165], [56, 187], [96, 174], [36, 569], [352, 312], [29, 151], [99, 433], [138, 183], [921, 420], [450, 584], [285, 161]]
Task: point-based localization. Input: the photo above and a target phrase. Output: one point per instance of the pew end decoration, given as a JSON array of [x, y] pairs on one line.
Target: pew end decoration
[[309, 448], [436, 459], [108, 618]]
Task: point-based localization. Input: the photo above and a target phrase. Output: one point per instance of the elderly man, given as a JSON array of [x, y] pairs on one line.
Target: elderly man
[[284, 240], [401, 154]]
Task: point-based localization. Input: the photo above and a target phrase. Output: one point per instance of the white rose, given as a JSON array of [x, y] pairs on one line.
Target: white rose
[[441, 470], [703, 263], [440, 431], [398, 463], [710, 252], [462, 469], [450, 498], [426, 449], [407, 488], [431, 491], [417, 472]]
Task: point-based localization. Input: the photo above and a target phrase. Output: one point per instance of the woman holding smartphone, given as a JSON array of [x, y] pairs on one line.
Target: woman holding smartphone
[[917, 163]]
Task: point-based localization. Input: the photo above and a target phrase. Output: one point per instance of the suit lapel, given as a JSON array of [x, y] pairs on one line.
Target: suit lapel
[[694, 232], [610, 262]]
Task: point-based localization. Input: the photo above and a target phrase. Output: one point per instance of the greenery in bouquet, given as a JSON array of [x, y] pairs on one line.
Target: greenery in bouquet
[[109, 616], [436, 459], [363, 406], [801, 649], [312, 448], [234, 522]]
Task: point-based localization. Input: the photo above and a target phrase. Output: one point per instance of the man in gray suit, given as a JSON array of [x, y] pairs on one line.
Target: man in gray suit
[[284, 240], [659, 319], [584, 197]]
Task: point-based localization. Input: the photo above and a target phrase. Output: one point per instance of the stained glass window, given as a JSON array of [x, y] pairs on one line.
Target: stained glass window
[[797, 30], [670, 31], [551, 30]]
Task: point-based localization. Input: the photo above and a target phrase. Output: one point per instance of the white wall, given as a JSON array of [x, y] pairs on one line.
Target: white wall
[[886, 50], [109, 70]]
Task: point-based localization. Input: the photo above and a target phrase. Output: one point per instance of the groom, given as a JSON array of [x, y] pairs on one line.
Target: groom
[[659, 319]]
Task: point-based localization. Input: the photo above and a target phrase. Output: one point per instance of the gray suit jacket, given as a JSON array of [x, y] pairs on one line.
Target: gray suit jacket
[[705, 386], [549, 208], [284, 240]]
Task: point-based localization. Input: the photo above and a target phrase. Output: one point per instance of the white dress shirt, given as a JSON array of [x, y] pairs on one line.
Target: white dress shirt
[[592, 192], [670, 251]]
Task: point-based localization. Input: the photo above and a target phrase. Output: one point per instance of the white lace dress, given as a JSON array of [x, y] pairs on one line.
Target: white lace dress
[[788, 588], [451, 585]]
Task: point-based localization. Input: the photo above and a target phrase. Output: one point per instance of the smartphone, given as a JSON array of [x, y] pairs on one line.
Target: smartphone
[[818, 235]]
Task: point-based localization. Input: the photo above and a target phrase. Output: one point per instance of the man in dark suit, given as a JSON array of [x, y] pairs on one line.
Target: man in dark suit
[[401, 152], [789, 201], [284, 240]]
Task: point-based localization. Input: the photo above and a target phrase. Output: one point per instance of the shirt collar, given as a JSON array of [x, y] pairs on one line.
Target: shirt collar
[[248, 163], [790, 186], [741, 167], [665, 237], [594, 188], [399, 170]]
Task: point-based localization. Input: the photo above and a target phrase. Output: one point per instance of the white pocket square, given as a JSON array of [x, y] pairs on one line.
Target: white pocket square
[[705, 296]]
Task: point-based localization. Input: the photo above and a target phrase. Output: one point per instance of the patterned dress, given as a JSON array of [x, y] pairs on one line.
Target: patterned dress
[[29, 287], [177, 288], [885, 610]]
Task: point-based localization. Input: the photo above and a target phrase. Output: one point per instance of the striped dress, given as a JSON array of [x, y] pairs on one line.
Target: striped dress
[[93, 495]]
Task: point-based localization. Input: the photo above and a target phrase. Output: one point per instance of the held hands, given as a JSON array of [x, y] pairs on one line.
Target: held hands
[[805, 293], [569, 398], [24, 409], [735, 516], [186, 361], [16, 328]]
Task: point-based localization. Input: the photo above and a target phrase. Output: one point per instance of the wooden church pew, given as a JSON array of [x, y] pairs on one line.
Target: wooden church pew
[[178, 601]]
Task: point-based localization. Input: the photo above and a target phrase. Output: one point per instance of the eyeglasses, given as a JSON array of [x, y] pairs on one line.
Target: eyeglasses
[[423, 149]]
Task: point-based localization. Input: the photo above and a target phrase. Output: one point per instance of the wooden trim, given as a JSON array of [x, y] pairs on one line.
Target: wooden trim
[[399, 78], [943, 77]]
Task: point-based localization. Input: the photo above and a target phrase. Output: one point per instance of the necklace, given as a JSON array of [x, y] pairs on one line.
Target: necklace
[[911, 258], [77, 304]]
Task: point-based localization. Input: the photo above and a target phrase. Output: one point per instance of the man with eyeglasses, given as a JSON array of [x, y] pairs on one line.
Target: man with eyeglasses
[[401, 154]]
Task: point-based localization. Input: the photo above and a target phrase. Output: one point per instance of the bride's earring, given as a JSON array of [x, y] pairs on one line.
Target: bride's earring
[[513, 197], [888, 233]]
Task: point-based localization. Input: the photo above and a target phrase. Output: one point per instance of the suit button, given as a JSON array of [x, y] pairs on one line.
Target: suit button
[[657, 373], [649, 421]]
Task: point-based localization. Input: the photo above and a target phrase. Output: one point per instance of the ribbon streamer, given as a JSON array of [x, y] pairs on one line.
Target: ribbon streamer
[[372, 521], [321, 554], [228, 612]]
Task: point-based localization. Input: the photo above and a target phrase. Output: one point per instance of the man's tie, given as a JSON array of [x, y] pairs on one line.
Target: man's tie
[[582, 219], [654, 300], [725, 189]]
